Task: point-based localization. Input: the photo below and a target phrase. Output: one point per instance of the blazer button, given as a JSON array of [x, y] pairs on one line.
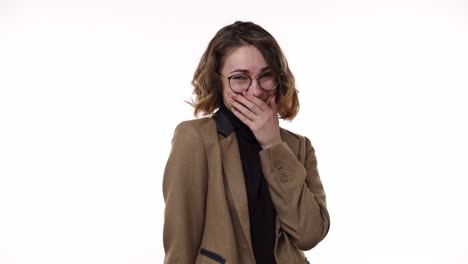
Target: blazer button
[[278, 164], [284, 178]]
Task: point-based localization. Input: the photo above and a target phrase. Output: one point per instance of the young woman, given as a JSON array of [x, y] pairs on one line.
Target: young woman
[[238, 188]]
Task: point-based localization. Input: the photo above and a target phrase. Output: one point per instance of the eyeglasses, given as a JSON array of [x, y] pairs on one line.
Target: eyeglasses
[[241, 82]]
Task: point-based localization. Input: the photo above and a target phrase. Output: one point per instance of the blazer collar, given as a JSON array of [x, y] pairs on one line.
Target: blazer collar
[[223, 124]]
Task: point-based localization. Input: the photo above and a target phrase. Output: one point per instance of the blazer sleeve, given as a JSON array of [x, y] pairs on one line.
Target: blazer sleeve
[[297, 193], [184, 190]]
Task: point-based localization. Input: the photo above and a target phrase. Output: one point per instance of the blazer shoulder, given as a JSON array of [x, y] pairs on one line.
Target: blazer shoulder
[[196, 123], [201, 127], [288, 135], [296, 141]]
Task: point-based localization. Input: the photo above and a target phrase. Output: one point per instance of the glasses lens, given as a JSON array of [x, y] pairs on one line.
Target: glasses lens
[[239, 82], [267, 81]]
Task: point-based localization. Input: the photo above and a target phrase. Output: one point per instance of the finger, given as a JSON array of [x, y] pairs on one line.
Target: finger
[[242, 118], [257, 101], [247, 103], [272, 102], [243, 109]]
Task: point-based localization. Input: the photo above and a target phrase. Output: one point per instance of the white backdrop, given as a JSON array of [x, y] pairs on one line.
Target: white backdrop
[[90, 92]]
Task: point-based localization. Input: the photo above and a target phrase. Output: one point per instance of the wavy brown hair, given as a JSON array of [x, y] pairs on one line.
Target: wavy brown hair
[[207, 83]]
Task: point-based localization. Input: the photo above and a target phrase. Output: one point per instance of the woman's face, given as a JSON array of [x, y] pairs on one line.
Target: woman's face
[[245, 60]]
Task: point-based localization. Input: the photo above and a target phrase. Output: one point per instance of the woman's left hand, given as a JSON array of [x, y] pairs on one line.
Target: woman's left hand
[[261, 117]]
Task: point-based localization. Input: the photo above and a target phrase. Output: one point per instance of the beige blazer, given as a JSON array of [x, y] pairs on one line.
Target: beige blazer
[[206, 219]]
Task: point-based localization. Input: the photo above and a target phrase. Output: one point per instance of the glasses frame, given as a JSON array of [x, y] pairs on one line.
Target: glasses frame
[[250, 84]]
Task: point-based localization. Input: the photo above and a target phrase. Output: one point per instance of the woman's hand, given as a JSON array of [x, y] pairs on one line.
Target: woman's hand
[[261, 117]]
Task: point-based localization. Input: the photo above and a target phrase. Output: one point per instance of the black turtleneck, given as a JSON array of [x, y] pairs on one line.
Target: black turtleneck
[[262, 214]]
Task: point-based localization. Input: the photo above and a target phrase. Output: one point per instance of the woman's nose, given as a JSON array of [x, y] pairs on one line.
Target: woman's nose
[[255, 88]]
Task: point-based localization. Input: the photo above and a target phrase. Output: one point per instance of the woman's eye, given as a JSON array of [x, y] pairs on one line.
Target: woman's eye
[[266, 75], [240, 77]]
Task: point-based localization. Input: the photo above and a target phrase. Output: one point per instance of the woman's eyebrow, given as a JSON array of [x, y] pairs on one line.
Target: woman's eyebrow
[[247, 71]]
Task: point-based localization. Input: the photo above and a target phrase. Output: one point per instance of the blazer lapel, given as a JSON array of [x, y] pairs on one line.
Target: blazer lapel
[[233, 173]]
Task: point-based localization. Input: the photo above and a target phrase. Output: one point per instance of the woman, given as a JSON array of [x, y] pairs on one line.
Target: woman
[[238, 188]]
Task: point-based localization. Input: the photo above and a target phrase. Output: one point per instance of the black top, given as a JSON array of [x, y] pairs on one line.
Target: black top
[[262, 213]]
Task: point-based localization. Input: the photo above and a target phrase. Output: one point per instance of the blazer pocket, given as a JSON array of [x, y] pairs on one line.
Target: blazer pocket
[[212, 255]]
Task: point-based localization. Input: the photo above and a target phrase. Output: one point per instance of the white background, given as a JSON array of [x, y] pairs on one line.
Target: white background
[[90, 92]]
